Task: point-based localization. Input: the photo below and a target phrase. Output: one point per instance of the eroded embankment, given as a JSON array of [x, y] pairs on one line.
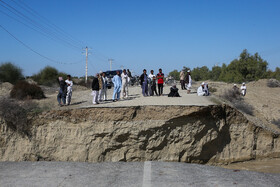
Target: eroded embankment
[[208, 134]]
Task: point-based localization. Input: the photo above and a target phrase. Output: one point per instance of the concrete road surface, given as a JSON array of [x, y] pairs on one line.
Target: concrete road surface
[[128, 174]]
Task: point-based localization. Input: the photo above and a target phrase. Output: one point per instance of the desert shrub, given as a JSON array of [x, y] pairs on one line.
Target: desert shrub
[[10, 73], [273, 83], [276, 122], [82, 83], [244, 107], [14, 116], [24, 90], [231, 95], [212, 89], [48, 76]]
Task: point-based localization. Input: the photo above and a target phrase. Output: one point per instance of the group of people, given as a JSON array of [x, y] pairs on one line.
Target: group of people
[[148, 83], [99, 88], [242, 91], [121, 81], [65, 91]]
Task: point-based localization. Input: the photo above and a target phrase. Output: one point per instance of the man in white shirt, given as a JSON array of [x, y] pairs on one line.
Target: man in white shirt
[[69, 83], [200, 90], [243, 89], [125, 80], [150, 79]]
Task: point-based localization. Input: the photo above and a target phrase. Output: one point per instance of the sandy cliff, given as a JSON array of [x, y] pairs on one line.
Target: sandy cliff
[[205, 134]]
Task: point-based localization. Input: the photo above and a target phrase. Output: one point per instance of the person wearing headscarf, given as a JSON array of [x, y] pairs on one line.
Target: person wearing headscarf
[[117, 81], [95, 89], [188, 81], [61, 96], [69, 83], [243, 89], [200, 90], [125, 80]]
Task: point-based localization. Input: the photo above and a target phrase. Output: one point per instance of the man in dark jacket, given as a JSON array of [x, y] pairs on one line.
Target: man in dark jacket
[[95, 89], [62, 92], [144, 83]]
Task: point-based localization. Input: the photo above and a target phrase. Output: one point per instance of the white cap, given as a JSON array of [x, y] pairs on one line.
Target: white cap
[[202, 83], [100, 71], [189, 71], [243, 83], [234, 84]]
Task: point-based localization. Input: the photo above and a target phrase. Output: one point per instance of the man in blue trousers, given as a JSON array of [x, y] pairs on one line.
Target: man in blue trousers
[[117, 81], [144, 83]]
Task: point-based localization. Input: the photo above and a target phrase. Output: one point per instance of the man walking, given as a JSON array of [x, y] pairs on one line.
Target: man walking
[[95, 89], [144, 83], [117, 81], [160, 77]]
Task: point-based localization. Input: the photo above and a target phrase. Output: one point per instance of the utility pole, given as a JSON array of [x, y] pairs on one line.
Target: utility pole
[[111, 61], [86, 64]]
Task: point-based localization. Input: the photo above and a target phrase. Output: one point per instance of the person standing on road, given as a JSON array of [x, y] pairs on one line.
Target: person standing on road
[[104, 88], [144, 83], [117, 81], [95, 89], [182, 79], [62, 92], [69, 83], [160, 77], [154, 87], [151, 76], [188, 81], [129, 76], [125, 80], [100, 81]]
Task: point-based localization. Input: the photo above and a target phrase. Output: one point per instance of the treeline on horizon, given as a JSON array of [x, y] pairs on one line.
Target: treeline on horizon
[[244, 69]]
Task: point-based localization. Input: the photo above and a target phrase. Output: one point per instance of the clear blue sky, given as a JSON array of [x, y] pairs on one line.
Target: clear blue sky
[[137, 34]]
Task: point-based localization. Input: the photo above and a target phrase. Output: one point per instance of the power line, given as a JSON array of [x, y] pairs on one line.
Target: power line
[[25, 45], [49, 23], [37, 25]]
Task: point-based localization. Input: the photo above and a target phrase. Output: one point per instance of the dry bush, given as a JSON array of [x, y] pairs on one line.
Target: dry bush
[[276, 122], [15, 116], [244, 107], [82, 83], [23, 90], [212, 89], [233, 96], [273, 83]]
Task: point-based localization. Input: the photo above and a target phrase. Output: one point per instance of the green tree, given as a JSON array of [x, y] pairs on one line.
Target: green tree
[[48, 76], [202, 73], [215, 73], [10, 73], [175, 74]]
